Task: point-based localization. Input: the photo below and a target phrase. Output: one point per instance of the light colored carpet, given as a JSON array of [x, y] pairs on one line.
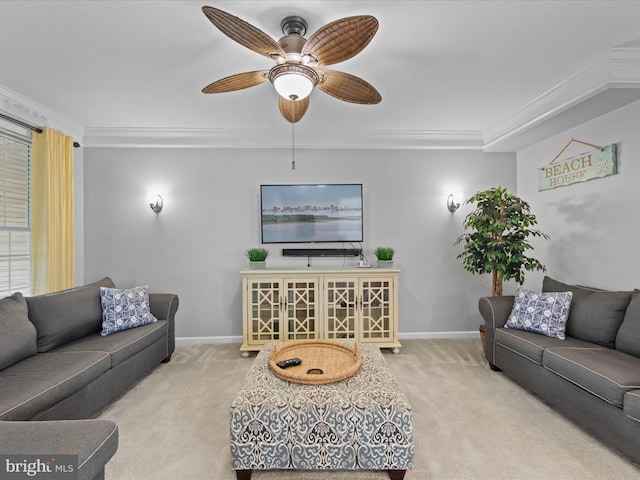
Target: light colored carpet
[[469, 422]]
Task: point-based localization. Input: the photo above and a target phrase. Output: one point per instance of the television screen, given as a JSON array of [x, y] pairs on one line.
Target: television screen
[[311, 213]]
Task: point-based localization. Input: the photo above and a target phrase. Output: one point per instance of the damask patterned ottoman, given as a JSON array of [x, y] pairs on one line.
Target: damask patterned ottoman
[[361, 423]]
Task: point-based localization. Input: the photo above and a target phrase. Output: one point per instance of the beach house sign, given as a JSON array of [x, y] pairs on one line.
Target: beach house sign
[[594, 164]]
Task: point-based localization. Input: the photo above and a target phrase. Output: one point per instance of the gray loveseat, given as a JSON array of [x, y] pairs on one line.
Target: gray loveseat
[[57, 372], [593, 375]]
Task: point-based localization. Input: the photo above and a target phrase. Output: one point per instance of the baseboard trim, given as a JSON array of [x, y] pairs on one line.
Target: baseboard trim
[[401, 336], [202, 340], [434, 335]]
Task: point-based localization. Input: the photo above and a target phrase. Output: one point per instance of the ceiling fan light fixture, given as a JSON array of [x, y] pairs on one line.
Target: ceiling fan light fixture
[[295, 76], [293, 81], [293, 86]]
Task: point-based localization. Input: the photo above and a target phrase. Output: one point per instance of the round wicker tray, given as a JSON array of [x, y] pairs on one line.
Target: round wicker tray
[[335, 360]]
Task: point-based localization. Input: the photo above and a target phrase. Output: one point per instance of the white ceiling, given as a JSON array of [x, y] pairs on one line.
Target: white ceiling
[[458, 69]]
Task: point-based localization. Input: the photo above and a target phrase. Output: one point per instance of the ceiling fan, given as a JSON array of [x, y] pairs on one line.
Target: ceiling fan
[[299, 61]]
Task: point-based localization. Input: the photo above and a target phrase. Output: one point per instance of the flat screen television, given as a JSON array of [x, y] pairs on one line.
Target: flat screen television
[[311, 213]]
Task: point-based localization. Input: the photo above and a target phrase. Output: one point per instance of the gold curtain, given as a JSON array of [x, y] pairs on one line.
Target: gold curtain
[[52, 212]]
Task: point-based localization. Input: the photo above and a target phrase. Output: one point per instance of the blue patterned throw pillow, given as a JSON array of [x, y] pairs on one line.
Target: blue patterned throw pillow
[[124, 309], [544, 313]]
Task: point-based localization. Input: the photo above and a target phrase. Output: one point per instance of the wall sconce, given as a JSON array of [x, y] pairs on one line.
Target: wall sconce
[[452, 204], [156, 203]]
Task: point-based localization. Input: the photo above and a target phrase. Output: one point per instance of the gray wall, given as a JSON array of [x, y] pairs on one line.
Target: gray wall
[[593, 225], [195, 246]]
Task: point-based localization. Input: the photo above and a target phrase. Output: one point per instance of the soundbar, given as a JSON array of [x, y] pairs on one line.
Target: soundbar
[[321, 252]]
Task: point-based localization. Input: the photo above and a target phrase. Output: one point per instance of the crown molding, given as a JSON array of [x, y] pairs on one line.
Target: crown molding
[[106, 137], [612, 81], [625, 66], [33, 113], [572, 101]]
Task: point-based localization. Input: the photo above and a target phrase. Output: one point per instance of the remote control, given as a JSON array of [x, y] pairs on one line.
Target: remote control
[[289, 362]]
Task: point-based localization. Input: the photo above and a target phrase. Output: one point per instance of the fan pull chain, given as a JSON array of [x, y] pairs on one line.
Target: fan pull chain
[[293, 140]]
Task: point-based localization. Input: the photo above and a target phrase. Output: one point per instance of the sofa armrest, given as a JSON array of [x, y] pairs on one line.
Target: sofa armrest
[[495, 312], [163, 306]]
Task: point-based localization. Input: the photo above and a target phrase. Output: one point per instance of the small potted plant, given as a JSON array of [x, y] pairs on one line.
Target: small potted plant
[[384, 256], [257, 257]]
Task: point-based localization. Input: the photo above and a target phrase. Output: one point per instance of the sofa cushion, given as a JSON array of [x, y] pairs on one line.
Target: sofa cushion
[[39, 382], [93, 441], [532, 345], [604, 372], [632, 404], [544, 313], [17, 333], [63, 316], [595, 314], [122, 345], [628, 337], [124, 309]]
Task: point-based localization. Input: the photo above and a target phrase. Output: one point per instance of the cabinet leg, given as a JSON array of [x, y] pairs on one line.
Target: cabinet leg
[[245, 354], [396, 350]]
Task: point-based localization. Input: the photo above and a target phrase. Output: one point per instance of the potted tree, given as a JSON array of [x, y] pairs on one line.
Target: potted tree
[[384, 256], [501, 226], [257, 257]]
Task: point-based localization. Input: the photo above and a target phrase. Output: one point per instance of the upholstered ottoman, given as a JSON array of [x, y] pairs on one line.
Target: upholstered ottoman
[[361, 423]]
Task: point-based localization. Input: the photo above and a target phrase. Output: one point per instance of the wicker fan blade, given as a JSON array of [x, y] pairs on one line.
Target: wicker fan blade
[[340, 40], [348, 88], [293, 111], [244, 33], [236, 82]]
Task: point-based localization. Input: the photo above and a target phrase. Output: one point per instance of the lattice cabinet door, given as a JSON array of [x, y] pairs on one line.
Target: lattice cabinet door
[[351, 304], [341, 308], [302, 309], [264, 309], [377, 297]]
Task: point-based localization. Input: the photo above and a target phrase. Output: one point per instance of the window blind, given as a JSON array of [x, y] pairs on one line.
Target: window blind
[[15, 231]]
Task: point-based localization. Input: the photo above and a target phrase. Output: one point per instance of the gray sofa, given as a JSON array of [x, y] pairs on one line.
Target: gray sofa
[[593, 375], [57, 371]]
